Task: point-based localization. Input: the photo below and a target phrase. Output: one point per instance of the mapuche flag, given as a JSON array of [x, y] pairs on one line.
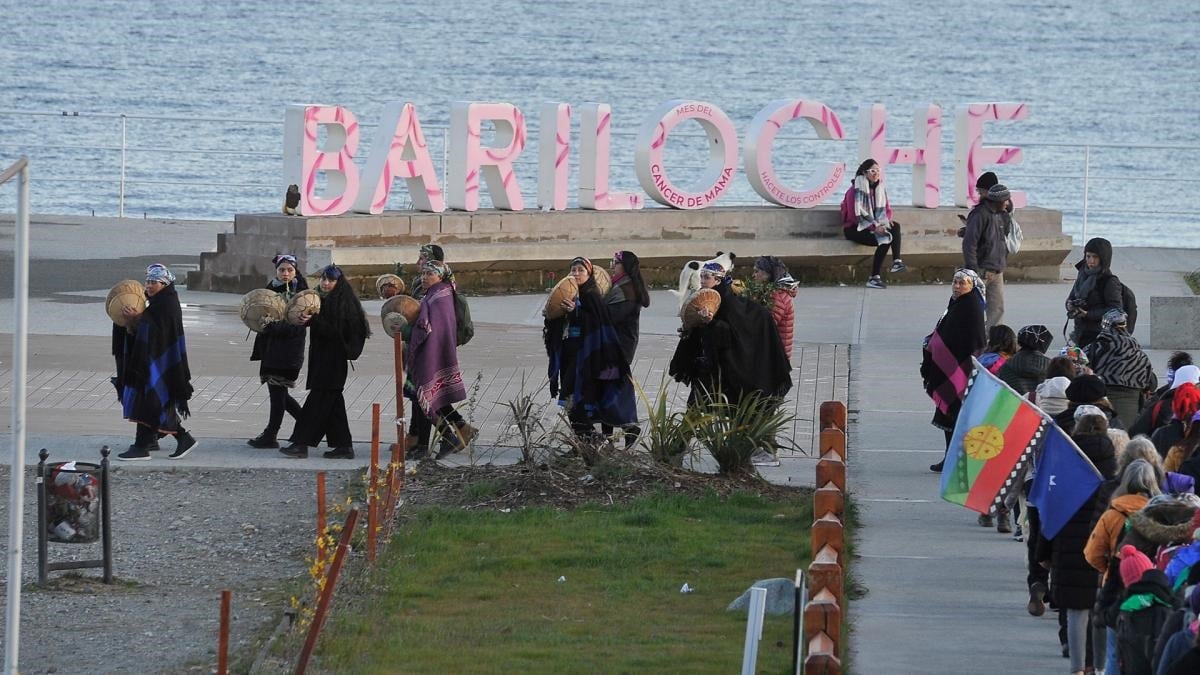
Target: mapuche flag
[[996, 433]]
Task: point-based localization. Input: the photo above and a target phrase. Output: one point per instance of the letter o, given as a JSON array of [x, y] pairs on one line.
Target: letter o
[[722, 154]]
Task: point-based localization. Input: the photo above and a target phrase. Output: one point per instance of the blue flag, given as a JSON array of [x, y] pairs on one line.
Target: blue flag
[[1065, 479]]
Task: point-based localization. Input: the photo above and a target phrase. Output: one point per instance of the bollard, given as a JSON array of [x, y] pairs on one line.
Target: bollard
[[823, 615], [828, 531], [829, 499], [831, 468], [335, 568], [822, 658], [824, 573], [223, 636], [833, 440], [373, 485], [833, 415], [320, 516]]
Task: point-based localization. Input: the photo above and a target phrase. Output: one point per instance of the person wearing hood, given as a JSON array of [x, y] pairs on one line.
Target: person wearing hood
[[1117, 358], [1026, 369], [1138, 484], [1157, 410], [1144, 610], [155, 382], [1051, 394], [946, 355], [1096, 291], [769, 271], [1184, 404]]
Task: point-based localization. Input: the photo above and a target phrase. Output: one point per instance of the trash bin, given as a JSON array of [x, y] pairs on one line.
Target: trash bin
[[73, 502]]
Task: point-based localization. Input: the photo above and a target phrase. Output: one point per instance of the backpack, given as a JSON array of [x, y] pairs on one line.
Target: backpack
[[464, 329], [1128, 305], [847, 209], [1136, 635]]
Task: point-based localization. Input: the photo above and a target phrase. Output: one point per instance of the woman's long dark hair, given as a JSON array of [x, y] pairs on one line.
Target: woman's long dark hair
[[633, 270], [342, 305], [862, 168]]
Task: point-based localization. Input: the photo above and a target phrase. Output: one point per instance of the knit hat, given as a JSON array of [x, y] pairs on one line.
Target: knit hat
[[1085, 410], [1086, 389], [986, 180], [1036, 337], [1186, 401], [1134, 564], [1114, 317], [1188, 373], [997, 193]]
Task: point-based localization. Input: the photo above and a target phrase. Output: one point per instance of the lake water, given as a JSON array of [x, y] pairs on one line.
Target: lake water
[[1092, 73]]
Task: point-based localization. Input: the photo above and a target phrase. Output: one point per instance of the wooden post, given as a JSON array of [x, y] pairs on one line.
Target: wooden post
[[822, 657], [335, 568], [824, 573], [823, 615], [373, 485], [398, 358], [831, 468], [829, 499], [223, 636], [828, 531], [833, 415], [320, 516], [833, 440]]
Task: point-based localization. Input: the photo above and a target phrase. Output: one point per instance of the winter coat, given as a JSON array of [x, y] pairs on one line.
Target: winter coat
[[1188, 664], [783, 311], [279, 346], [1179, 654], [983, 245], [1025, 370], [1147, 605], [1156, 413], [1167, 437], [1103, 296], [625, 312], [1102, 544], [1073, 581], [1118, 359], [1156, 525]]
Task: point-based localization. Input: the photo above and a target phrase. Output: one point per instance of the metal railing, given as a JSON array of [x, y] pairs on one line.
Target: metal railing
[[168, 166]]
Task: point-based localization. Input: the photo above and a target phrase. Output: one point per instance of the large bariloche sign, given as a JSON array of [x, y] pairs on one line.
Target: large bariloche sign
[[399, 150]]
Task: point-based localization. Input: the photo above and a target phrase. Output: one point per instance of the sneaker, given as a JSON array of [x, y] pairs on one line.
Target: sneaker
[[295, 451], [1018, 534], [876, 282], [263, 440], [985, 520], [763, 458], [346, 452], [134, 454], [1003, 525], [1037, 599], [898, 266], [185, 445]]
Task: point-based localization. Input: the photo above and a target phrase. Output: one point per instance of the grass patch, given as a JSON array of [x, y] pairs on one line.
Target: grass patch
[[478, 591]]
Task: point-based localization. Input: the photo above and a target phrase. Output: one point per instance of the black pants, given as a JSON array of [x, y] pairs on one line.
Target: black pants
[[1035, 572], [323, 416], [868, 238], [281, 401], [422, 426]]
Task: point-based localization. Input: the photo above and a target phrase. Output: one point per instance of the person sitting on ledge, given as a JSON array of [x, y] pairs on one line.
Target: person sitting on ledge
[[867, 219]]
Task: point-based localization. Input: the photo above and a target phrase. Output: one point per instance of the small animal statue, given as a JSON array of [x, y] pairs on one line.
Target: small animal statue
[[291, 201]]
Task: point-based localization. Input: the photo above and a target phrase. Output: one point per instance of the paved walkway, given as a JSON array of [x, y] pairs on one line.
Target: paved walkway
[[941, 594]]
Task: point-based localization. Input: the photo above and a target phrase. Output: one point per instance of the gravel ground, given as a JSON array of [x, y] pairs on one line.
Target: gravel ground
[[179, 538]]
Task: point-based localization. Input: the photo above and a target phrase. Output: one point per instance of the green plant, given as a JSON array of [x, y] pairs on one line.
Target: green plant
[[733, 431], [667, 435], [525, 422]]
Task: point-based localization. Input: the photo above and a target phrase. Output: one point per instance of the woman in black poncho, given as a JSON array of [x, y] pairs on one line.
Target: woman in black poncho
[[337, 335], [625, 301], [279, 349], [154, 378]]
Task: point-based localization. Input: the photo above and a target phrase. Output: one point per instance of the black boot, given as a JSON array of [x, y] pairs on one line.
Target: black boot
[[631, 435], [345, 452], [184, 444], [264, 440], [295, 451]]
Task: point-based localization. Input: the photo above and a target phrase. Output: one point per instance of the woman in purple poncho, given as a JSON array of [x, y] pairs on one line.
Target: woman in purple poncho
[[432, 366]]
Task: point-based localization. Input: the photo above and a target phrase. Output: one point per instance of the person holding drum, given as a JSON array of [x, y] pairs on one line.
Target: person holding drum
[[279, 349], [432, 366], [156, 379], [626, 299], [427, 252], [591, 383], [734, 351], [338, 332]]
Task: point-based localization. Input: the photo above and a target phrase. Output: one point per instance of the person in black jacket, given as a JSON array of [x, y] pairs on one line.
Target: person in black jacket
[[985, 249], [338, 333], [1157, 411], [1096, 291], [625, 300], [1026, 369], [155, 380], [279, 349]]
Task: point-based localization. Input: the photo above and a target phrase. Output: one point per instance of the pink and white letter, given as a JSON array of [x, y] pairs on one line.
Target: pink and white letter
[[722, 156], [925, 155], [400, 151], [971, 156], [303, 160], [595, 143], [470, 159], [760, 139], [554, 149]]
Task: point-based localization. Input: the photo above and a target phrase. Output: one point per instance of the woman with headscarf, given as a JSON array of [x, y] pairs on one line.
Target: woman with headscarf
[[155, 380], [1096, 291], [1117, 358], [336, 336], [426, 253], [735, 351], [946, 359], [279, 349], [770, 272], [432, 366], [588, 374], [867, 219], [625, 300]]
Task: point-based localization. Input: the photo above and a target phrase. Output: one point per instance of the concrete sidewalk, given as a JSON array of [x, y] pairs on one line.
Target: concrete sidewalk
[[942, 595]]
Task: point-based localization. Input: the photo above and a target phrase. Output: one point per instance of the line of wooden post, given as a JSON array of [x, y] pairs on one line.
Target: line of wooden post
[[822, 625]]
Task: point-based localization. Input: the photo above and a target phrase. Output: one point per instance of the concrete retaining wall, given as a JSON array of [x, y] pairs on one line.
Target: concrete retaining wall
[[503, 250]]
